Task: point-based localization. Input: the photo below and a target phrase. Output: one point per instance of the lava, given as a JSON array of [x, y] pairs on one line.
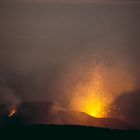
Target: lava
[[95, 108], [92, 105], [91, 97], [12, 113]]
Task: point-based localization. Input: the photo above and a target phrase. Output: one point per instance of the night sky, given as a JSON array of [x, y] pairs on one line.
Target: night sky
[[49, 47]]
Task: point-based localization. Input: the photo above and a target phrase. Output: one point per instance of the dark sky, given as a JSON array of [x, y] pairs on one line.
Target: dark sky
[[47, 47]]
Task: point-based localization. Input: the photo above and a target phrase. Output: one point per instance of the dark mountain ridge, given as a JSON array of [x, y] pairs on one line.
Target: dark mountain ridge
[[30, 113]]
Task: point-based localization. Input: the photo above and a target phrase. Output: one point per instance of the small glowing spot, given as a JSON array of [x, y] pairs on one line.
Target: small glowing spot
[[12, 113]]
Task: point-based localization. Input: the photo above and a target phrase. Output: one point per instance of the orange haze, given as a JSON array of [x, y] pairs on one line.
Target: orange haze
[[102, 86]]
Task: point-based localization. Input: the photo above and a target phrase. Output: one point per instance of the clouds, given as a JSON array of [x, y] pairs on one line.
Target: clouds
[[127, 107], [44, 40], [80, 1], [72, 1]]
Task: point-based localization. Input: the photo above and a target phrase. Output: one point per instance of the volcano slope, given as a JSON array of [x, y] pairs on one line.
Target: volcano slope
[[44, 120], [50, 113]]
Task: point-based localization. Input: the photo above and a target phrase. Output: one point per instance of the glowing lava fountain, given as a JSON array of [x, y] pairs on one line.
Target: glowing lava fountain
[[91, 97]]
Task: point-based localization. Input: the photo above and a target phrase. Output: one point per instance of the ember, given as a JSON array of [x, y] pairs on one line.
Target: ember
[[12, 113]]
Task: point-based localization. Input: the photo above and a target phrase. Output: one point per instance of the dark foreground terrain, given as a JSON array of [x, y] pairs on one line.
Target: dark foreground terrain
[[30, 113], [43, 132], [21, 125]]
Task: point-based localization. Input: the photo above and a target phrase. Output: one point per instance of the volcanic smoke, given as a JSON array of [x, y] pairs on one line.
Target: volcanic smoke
[[94, 88]]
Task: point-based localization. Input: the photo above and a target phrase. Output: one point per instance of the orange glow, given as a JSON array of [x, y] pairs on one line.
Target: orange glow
[[95, 109], [91, 98], [12, 113], [94, 106], [99, 86]]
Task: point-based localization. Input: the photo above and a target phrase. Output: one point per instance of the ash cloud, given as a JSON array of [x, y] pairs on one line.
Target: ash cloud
[[126, 107], [8, 97]]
